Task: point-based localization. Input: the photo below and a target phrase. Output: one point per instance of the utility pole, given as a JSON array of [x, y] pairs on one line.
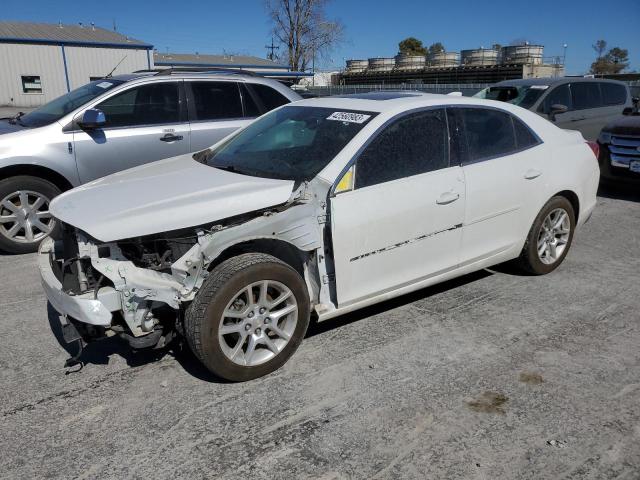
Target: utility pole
[[271, 55]]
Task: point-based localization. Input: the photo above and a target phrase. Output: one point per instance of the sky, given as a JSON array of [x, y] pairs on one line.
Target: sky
[[373, 29]]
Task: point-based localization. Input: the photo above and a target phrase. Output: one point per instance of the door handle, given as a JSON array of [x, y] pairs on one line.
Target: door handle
[[170, 137], [578, 119], [447, 198], [532, 173]]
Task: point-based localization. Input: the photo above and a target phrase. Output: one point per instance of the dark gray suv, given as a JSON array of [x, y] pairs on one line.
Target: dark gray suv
[[113, 124], [573, 103]]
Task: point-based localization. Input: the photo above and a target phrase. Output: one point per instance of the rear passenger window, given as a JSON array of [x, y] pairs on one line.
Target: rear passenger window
[[216, 100], [489, 133], [560, 95], [414, 144], [613, 94], [524, 136], [270, 97], [585, 95]]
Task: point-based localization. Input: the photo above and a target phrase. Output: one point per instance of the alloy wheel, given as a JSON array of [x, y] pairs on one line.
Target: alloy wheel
[[553, 236], [258, 323], [25, 217]]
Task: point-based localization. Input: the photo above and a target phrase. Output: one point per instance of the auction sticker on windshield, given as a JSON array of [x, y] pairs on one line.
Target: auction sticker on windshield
[[104, 84], [350, 117]]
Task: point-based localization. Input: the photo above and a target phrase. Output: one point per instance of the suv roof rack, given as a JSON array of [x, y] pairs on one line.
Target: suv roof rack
[[171, 70]]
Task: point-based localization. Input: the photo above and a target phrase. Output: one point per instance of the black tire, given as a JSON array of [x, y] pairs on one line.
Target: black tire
[[202, 319], [529, 260], [10, 185]]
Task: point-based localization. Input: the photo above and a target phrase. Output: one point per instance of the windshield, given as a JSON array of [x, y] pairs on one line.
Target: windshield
[[291, 143], [58, 108], [524, 96]]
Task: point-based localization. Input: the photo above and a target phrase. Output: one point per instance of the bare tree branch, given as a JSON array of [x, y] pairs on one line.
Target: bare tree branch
[[302, 27]]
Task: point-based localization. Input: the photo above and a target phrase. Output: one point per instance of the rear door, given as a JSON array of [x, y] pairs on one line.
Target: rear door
[[402, 221], [504, 177], [144, 123], [215, 111]]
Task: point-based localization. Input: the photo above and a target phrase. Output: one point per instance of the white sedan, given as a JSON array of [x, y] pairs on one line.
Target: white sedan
[[316, 209]]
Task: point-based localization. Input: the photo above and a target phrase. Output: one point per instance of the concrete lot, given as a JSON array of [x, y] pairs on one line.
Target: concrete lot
[[494, 375]]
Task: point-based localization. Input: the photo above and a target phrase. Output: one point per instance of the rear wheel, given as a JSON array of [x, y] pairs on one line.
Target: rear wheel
[[249, 317], [24, 213], [550, 237]]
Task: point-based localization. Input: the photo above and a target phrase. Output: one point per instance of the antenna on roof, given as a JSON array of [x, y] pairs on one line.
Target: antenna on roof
[[114, 68]]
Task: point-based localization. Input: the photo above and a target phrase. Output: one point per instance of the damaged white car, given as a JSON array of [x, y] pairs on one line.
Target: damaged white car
[[316, 209]]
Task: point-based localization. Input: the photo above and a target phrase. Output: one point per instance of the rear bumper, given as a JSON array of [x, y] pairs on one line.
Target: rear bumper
[[88, 307]]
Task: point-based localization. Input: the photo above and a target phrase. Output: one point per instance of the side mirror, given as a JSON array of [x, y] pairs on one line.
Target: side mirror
[[556, 109], [627, 111], [92, 119]]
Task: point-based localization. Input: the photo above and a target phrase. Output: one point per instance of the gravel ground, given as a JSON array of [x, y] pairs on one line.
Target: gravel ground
[[494, 375]]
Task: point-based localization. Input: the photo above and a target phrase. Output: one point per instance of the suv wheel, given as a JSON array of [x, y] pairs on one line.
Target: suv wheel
[[24, 213], [550, 237], [249, 317]]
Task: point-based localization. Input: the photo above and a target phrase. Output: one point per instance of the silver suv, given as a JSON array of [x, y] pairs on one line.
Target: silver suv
[[113, 124], [583, 104]]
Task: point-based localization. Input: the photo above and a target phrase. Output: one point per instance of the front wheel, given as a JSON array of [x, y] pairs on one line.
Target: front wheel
[[25, 219], [550, 237], [249, 317]]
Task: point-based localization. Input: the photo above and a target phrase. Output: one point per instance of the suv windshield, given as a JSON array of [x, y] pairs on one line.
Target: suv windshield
[[58, 108], [291, 143], [524, 96]]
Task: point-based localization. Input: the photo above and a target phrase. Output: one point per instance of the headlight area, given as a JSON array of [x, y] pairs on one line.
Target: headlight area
[[135, 274]]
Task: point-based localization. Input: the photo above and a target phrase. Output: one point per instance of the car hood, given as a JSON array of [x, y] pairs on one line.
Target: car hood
[[624, 125], [6, 127], [162, 196]]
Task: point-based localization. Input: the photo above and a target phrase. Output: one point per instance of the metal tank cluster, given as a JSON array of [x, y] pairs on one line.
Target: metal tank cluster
[[509, 55]]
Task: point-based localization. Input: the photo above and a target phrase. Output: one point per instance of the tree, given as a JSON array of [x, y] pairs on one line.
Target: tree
[[302, 27], [411, 46], [600, 47], [436, 48], [614, 61]]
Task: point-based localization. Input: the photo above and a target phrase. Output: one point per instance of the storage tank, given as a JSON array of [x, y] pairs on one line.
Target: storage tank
[[410, 62], [522, 54], [357, 66], [381, 64], [479, 56], [444, 59]]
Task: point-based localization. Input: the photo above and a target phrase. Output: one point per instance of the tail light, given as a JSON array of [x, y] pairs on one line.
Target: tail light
[[595, 148]]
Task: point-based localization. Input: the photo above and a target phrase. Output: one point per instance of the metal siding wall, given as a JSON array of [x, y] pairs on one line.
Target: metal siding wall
[[85, 62], [42, 60]]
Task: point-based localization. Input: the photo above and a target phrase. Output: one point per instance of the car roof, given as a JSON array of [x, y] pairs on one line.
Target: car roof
[[552, 81]]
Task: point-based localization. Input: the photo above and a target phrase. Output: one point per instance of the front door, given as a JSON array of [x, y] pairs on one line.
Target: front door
[[401, 222], [143, 124]]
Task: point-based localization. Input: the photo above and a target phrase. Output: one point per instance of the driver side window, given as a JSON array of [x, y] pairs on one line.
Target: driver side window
[[414, 144], [153, 104], [560, 95]]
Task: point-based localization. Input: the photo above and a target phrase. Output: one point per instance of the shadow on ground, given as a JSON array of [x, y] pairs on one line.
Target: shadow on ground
[[627, 192], [99, 352]]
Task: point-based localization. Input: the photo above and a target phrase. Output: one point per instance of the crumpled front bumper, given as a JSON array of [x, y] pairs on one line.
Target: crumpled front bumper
[[86, 308]]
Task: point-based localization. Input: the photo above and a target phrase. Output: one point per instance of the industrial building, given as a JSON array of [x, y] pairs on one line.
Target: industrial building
[[43, 61], [260, 66], [477, 66]]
